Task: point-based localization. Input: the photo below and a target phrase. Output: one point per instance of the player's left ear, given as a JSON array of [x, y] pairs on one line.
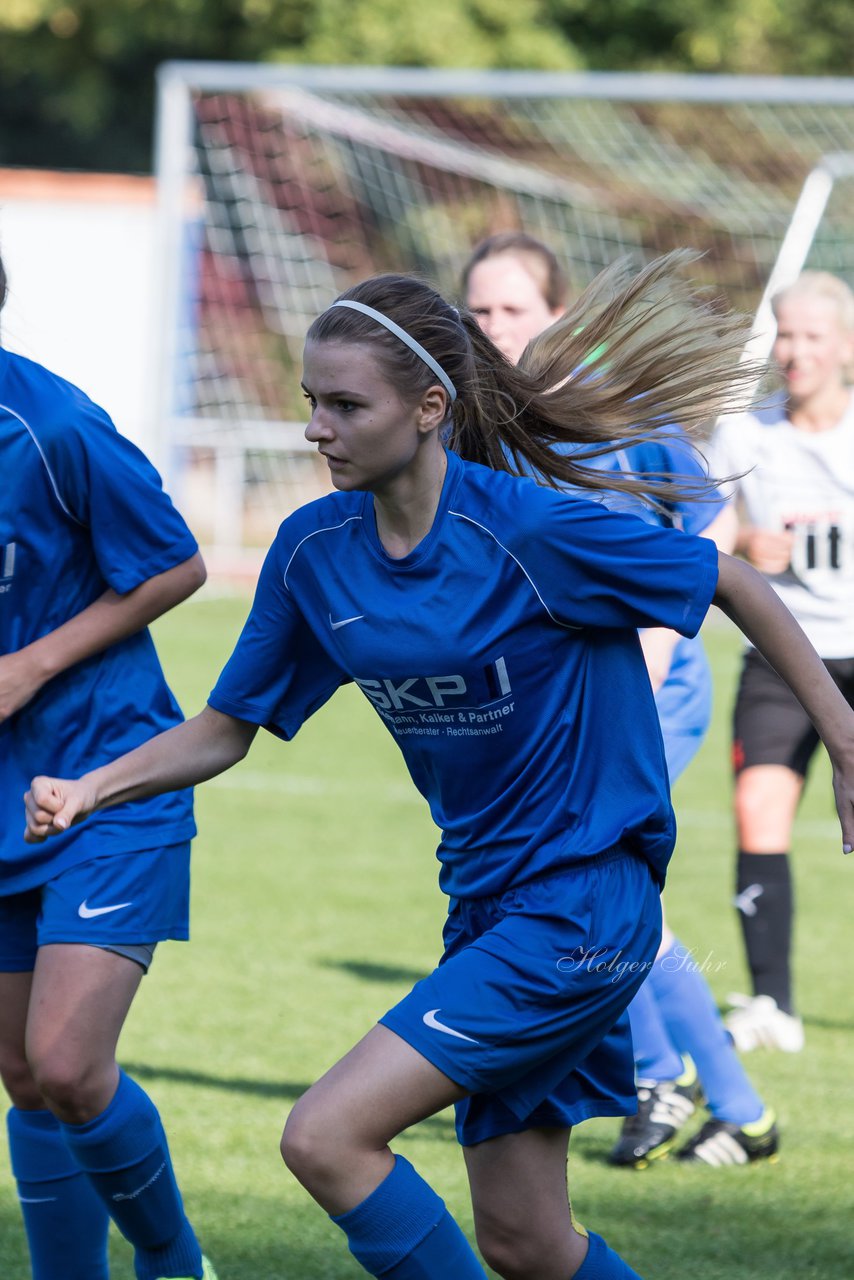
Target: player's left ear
[[433, 409]]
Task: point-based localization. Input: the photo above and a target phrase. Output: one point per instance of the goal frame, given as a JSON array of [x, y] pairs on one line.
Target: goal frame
[[176, 82]]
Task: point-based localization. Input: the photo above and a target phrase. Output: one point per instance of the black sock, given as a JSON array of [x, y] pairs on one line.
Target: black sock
[[765, 905]]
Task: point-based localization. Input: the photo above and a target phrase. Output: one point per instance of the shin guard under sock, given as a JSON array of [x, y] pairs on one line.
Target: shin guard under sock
[[602, 1263], [65, 1221], [656, 1056], [689, 1011], [125, 1154], [402, 1231]]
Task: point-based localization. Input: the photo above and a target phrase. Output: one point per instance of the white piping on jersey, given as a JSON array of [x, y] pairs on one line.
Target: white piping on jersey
[[569, 626], [328, 528], [50, 475]]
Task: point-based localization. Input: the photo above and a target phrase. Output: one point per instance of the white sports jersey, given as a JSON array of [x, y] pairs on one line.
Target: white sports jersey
[[802, 482]]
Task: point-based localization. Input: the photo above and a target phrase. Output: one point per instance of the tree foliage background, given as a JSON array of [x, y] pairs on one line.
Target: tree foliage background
[[77, 76]]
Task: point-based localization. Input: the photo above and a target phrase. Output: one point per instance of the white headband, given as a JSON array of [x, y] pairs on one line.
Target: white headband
[[405, 338]]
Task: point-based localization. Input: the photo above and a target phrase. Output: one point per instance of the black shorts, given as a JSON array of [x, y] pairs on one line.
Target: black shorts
[[769, 724]]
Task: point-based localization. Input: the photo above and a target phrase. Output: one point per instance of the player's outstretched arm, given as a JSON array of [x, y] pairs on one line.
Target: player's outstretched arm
[[189, 753], [110, 618], [745, 596]]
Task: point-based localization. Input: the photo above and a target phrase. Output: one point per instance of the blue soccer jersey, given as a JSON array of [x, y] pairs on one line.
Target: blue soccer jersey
[[81, 511], [502, 655], [684, 699]]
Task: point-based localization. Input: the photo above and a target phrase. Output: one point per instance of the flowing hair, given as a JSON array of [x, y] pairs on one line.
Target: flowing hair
[[634, 358]]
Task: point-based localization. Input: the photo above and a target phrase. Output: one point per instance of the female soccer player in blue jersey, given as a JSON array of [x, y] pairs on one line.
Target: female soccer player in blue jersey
[[91, 550], [515, 286], [492, 623]]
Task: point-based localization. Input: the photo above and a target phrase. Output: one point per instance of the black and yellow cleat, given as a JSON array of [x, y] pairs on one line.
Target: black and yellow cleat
[[719, 1143], [663, 1109]]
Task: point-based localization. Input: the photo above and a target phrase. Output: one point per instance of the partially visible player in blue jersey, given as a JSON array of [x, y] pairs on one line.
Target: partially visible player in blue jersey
[[516, 287], [492, 624], [91, 551]]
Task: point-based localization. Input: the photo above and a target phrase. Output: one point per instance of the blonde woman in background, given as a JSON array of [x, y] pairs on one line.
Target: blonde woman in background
[[795, 457]]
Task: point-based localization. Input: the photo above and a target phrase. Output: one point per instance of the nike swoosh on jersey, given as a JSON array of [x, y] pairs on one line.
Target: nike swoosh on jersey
[[89, 913], [345, 622], [430, 1020]]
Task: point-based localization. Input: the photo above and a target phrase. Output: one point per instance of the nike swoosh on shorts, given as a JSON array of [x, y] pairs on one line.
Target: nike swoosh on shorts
[[430, 1020], [88, 913]]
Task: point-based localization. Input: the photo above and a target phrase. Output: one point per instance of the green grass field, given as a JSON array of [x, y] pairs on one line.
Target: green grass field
[[315, 906]]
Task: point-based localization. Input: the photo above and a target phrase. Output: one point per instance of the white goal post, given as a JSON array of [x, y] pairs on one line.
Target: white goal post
[[281, 185], [798, 241]]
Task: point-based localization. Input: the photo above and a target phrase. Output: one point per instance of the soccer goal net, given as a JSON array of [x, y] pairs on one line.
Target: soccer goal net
[[281, 186]]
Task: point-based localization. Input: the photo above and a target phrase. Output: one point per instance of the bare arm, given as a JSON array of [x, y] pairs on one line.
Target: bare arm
[[189, 753], [744, 595], [107, 620]]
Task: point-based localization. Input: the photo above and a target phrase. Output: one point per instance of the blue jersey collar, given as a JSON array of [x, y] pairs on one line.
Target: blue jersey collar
[[425, 546]]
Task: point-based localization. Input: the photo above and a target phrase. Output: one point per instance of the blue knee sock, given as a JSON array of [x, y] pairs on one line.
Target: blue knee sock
[[602, 1263], [124, 1151], [66, 1223], [695, 1026], [403, 1231], [656, 1056]]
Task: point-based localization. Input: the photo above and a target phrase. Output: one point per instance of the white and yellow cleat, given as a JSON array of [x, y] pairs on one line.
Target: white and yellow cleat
[[719, 1143]]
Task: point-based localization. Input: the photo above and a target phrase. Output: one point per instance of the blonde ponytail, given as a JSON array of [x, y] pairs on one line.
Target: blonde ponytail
[[636, 357]]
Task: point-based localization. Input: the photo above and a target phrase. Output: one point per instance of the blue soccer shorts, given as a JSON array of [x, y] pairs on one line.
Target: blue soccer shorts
[[769, 724], [679, 750], [526, 1009], [684, 713], [114, 902]]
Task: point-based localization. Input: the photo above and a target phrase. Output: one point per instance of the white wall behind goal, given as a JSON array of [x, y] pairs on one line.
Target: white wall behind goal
[[79, 251]]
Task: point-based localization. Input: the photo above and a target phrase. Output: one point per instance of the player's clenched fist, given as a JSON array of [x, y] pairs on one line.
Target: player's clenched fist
[[52, 805]]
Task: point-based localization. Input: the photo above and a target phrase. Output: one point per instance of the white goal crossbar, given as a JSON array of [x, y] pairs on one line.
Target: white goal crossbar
[[280, 185]]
